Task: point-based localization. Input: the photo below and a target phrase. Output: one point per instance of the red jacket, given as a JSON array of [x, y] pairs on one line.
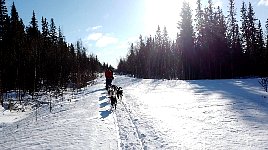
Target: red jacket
[[108, 74]]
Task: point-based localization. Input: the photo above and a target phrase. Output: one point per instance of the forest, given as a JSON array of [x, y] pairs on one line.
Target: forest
[[32, 60], [209, 45]]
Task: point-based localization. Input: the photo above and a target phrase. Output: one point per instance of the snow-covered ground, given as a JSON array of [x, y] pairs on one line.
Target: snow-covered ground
[[153, 114]]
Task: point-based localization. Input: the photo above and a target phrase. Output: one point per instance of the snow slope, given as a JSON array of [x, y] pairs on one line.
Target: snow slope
[[153, 114]]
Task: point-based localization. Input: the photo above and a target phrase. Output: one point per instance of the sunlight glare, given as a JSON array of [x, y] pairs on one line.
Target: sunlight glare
[[163, 13]]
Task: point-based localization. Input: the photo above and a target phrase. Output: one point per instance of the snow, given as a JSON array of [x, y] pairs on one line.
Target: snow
[[153, 114]]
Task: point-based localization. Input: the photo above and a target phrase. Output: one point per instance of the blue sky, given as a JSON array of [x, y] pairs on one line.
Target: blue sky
[[107, 27]]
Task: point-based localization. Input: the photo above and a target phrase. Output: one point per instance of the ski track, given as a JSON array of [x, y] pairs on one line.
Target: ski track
[[129, 133]]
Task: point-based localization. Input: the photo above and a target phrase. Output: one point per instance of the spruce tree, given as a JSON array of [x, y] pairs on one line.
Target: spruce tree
[[260, 53], [266, 48], [231, 24], [252, 44], [53, 31], [3, 19], [3, 33], [16, 49], [244, 27], [234, 41], [186, 41]]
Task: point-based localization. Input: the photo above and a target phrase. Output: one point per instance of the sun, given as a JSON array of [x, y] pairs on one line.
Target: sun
[[163, 13]]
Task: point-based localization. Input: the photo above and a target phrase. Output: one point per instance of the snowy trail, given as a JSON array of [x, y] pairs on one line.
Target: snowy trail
[[220, 114], [153, 114], [75, 125], [129, 132]]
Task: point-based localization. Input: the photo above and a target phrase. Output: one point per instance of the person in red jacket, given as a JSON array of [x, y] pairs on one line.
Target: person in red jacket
[[109, 77]]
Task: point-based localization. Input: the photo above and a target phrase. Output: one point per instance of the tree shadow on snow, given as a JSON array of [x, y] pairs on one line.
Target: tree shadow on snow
[[105, 113], [245, 95]]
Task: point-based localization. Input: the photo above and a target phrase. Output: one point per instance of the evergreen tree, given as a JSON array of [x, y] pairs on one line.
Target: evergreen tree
[[167, 54], [3, 33], [199, 24], [157, 55], [231, 24], [234, 40], [260, 53], [16, 49], [29, 58], [33, 41], [216, 50], [186, 42], [200, 34], [3, 19], [266, 48], [252, 45], [45, 29], [53, 31]]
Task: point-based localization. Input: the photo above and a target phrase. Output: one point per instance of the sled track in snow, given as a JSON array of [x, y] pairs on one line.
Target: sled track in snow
[[131, 120], [117, 128]]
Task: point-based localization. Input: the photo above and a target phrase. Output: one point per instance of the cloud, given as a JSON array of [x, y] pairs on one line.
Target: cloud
[[263, 2], [93, 28], [94, 36], [101, 40], [106, 40], [96, 27]]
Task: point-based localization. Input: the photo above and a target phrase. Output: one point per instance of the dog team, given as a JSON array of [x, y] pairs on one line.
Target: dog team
[[114, 92]]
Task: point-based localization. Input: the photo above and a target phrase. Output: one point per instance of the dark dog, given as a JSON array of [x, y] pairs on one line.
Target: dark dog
[[113, 101], [110, 90], [115, 93], [114, 87], [119, 92]]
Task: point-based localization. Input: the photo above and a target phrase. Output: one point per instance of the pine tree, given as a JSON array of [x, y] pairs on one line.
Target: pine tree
[[167, 54], [231, 24], [244, 27], [221, 46], [3, 19], [200, 34], [245, 39], [199, 24], [186, 41], [252, 45], [3, 33], [234, 40], [208, 43], [32, 30], [237, 55], [53, 31], [16, 48], [157, 53], [251, 29], [45, 30], [260, 53], [266, 48], [33, 44]]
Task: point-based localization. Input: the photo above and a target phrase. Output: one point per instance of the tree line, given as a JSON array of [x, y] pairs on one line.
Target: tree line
[[210, 46], [31, 60]]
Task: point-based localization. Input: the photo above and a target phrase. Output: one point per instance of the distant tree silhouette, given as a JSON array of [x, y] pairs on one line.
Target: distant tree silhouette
[[31, 60], [214, 48]]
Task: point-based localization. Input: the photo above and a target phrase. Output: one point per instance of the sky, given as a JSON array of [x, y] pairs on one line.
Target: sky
[[108, 27]]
